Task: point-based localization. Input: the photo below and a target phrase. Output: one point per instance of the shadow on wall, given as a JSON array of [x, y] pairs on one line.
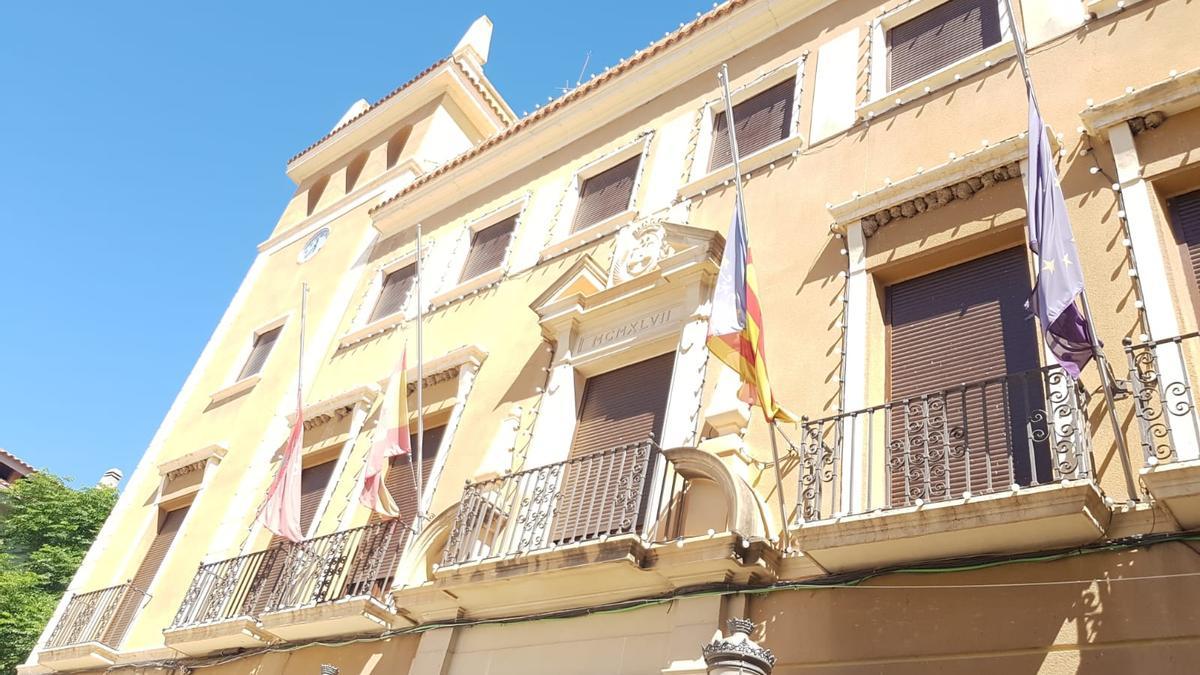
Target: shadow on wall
[[1078, 615]]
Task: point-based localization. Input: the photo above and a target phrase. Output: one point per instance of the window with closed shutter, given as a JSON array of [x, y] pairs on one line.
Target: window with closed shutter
[[944, 35], [1185, 216], [313, 481], [961, 325], [169, 524], [396, 286], [759, 121], [487, 248], [401, 484], [606, 194], [263, 342], [620, 407]]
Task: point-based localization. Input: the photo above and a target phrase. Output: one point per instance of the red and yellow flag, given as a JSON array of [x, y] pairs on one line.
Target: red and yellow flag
[[391, 440], [735, 326]]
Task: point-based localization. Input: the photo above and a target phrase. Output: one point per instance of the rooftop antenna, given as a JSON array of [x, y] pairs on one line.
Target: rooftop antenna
[[583, 69]]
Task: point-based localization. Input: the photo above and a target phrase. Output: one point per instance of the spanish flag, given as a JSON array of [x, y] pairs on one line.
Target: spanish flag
[[391, 440], [735, 326]]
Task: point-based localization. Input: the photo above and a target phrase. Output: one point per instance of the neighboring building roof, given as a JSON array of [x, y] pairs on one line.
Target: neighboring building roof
[[574, 95], [15, 465]]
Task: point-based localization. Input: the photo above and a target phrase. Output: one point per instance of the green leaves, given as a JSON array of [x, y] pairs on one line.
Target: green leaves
[[46, 527]]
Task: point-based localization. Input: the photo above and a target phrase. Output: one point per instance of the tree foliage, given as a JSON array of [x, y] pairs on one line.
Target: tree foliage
[[46, 528]]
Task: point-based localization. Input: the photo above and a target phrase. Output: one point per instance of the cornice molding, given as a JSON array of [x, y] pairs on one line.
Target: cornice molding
[[1177, 93]]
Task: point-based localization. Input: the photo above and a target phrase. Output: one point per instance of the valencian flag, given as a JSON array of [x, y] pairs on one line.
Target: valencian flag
[[735, 326], [281, 512], [391, 440], [1059, 278]]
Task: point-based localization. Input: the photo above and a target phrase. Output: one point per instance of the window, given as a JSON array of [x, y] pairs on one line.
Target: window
[[606, 194], [263, 342], [396, 286], [1185, 217], [964, 324], [169, 524], [759, 121], [944, 35], [620, 407], [487, 248]]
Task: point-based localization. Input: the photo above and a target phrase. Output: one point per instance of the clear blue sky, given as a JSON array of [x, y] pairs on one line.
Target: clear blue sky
[[142, 148]]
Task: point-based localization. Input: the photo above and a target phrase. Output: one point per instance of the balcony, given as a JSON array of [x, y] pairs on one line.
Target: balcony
[[1002, 464], [1160, 380], [91, 628], [592, 528], [330, 585]]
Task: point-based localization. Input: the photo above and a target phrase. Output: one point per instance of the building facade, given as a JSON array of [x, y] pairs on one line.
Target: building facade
[[950, 500]]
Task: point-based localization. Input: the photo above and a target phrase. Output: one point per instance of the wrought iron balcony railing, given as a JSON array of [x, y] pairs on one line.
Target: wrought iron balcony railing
[[630, 489], [1163, 399], [1027, 428], [360, 562], [98, 616]]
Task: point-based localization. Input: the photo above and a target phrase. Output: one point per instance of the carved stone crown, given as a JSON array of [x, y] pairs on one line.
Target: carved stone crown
[[738, 650]]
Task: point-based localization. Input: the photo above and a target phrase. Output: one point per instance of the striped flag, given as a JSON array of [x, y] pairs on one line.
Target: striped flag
[[281, 512], [391, 440], [735, 326]]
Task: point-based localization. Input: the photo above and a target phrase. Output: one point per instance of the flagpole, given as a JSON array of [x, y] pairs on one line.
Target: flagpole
[[1101, 360], [300, 357], [723, 76], [418, 518]]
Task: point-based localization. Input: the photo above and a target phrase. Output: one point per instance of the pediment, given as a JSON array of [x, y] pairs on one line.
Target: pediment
[[584, 278]]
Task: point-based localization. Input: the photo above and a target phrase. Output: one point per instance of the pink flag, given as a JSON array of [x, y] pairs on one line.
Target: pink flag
[[281, 512], [391, 440]]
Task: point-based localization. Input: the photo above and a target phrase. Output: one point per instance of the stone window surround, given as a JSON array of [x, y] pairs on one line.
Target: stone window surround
[[516, 207], [561, 239], [880, 98], [700, 178], [362, 327], [237, 386], [566, 323]]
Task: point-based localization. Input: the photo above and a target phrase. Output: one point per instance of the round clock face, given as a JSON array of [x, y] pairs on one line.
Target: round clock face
[[314, 244]]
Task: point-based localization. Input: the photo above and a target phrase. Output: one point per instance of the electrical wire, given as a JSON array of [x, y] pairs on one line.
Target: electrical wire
[[849, 580]]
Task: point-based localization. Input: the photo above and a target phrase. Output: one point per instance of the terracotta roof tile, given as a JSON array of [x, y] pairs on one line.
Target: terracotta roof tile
[[16, 460], [574, 95]]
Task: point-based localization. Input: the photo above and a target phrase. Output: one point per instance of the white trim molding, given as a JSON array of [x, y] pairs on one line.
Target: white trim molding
[[1177, 93]]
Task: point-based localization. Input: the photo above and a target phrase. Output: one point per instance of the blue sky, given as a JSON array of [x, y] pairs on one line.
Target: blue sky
[[141, 160]]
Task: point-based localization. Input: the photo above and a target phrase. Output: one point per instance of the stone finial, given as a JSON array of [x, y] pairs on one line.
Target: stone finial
[[477, 40], [737, 653], [110, 479]]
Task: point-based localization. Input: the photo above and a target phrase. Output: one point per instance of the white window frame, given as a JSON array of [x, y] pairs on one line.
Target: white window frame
[[563, 239], [237, 385], [700, 178], [880, 98], [362, 327], [458, 262]]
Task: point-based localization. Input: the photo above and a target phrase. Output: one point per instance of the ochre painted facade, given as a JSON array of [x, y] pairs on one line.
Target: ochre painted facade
[[1071, 571]]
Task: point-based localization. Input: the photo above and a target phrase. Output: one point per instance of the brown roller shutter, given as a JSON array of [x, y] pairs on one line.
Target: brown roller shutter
[[1185, 215], [487, 248], [619, 407], [401, 485], [945, 34], [759, 121], [961, 325], [169, 524], [259, 353], [313, 481], [606, 194], [396, 286]]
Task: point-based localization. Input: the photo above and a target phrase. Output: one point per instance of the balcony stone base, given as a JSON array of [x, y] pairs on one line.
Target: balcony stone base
[[575, 575], [1177, 486], [242, 632], [1037, 518], [78, 657], [343, 617]]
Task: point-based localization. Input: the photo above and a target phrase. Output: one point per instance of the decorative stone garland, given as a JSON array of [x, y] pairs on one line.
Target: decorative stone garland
[[942, 196]]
